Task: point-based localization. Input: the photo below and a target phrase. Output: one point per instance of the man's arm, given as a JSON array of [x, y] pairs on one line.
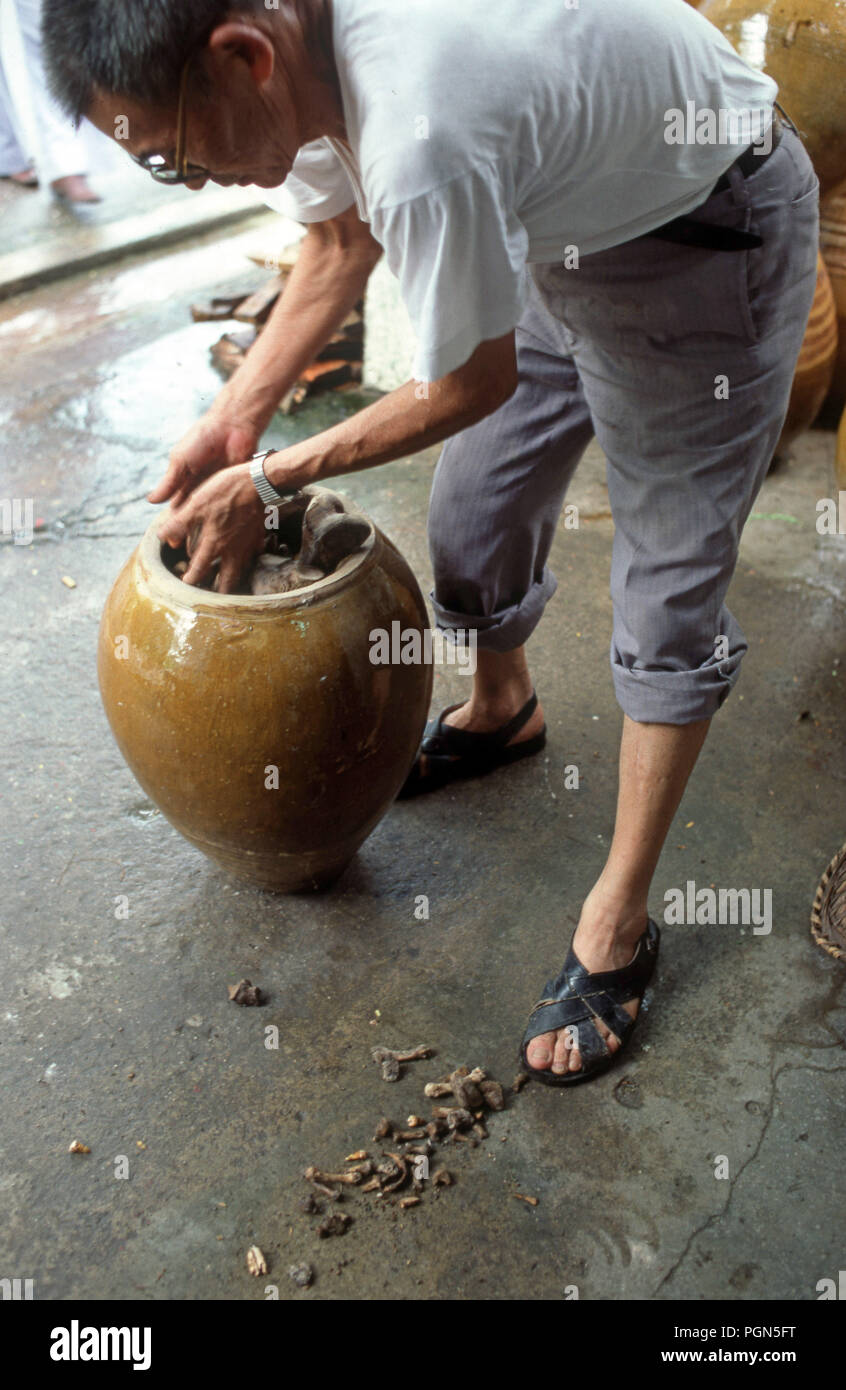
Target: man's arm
[[405, 420], [227, 508], [335, 261], [330, 275]]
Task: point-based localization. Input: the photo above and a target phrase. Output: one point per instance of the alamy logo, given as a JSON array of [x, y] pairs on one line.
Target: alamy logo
[[17, 519], [705, 126], [829, 1288], [711, 907], [17, 1289], [411, 647], [77, 1343], [831, 515]]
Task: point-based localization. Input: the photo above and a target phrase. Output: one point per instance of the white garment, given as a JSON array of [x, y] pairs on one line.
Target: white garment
[[12, 157], [29, 118], [485, 136], [316, 187]]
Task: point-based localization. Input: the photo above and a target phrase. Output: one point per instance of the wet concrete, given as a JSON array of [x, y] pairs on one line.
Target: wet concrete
[[118, 1032]]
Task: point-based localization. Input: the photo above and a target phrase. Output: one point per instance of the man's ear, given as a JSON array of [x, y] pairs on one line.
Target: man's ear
[[243, 43]]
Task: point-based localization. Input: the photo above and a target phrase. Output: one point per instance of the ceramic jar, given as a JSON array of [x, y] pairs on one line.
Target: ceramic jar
[[814, 369], [259, 725], [804, 48], [833, 247], [840, 457]]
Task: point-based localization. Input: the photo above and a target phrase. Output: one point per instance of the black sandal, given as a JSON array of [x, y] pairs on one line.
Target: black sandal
[[456, 754], [576, 998]]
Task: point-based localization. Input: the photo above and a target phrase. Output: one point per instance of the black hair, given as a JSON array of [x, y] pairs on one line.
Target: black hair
[[134, 48]]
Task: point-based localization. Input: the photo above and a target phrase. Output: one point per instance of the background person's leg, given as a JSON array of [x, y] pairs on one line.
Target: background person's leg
[[496, 500], [62, 158], [13, 159], [686, 359]]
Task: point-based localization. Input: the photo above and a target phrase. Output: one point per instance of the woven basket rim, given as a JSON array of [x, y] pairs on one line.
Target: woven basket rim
[[824, 932]]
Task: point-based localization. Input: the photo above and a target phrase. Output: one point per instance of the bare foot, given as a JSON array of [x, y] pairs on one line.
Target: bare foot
[[602, 942], [75, 188]]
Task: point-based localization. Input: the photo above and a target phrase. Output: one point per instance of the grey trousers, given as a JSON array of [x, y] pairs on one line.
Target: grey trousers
[[680, 360]]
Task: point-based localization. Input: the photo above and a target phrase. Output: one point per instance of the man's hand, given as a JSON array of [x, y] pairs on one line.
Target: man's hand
[[216, 441], [223, 518]]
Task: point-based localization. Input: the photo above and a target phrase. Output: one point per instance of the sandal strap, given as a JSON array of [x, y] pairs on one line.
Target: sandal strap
[[577, 1010], [591, 1043], [612, 1014], [592, 1046], [445, 739], [622, 984], [578, 997]]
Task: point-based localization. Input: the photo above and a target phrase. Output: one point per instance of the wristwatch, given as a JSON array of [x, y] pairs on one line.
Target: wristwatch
[[265, 489]]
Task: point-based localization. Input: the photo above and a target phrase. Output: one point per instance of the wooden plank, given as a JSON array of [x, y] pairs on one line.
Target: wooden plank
[[220, 307], [256, 309], [229, 351]]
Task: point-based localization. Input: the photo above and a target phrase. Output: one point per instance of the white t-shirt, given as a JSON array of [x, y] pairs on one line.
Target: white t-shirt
[[485, 134]]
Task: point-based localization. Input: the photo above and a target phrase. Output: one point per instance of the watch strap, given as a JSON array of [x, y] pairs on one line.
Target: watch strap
[[265, 489]]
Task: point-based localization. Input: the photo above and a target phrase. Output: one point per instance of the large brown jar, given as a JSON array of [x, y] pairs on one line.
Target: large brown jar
[[260, 726], [803, 47]]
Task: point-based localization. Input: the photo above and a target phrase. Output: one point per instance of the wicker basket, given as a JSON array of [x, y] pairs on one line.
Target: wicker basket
[[828, 915]]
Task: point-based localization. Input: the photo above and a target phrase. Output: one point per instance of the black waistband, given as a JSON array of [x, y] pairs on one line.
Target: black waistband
[[686, 231], [751, 161]]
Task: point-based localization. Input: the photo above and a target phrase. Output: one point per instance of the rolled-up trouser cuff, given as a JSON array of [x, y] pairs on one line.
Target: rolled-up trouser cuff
[[675, 697], [502, 632]]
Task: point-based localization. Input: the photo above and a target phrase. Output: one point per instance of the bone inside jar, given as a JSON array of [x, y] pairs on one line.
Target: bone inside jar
[[258, 723]]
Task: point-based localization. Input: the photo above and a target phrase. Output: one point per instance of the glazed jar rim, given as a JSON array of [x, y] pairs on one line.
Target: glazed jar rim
[[189, 595]]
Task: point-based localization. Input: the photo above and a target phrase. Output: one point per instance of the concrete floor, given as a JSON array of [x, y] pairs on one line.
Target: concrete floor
[[119, 1032], [45, 239]]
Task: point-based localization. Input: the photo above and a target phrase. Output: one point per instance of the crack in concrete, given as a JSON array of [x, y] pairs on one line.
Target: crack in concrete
[[104, 536], [113, 508], [67, 527], [718, 1215]]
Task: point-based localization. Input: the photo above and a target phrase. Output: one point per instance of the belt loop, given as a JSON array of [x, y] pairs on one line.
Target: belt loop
[[739, 191], [788, 122]]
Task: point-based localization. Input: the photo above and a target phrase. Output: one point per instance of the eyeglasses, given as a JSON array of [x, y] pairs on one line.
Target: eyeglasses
[[180, 171]]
